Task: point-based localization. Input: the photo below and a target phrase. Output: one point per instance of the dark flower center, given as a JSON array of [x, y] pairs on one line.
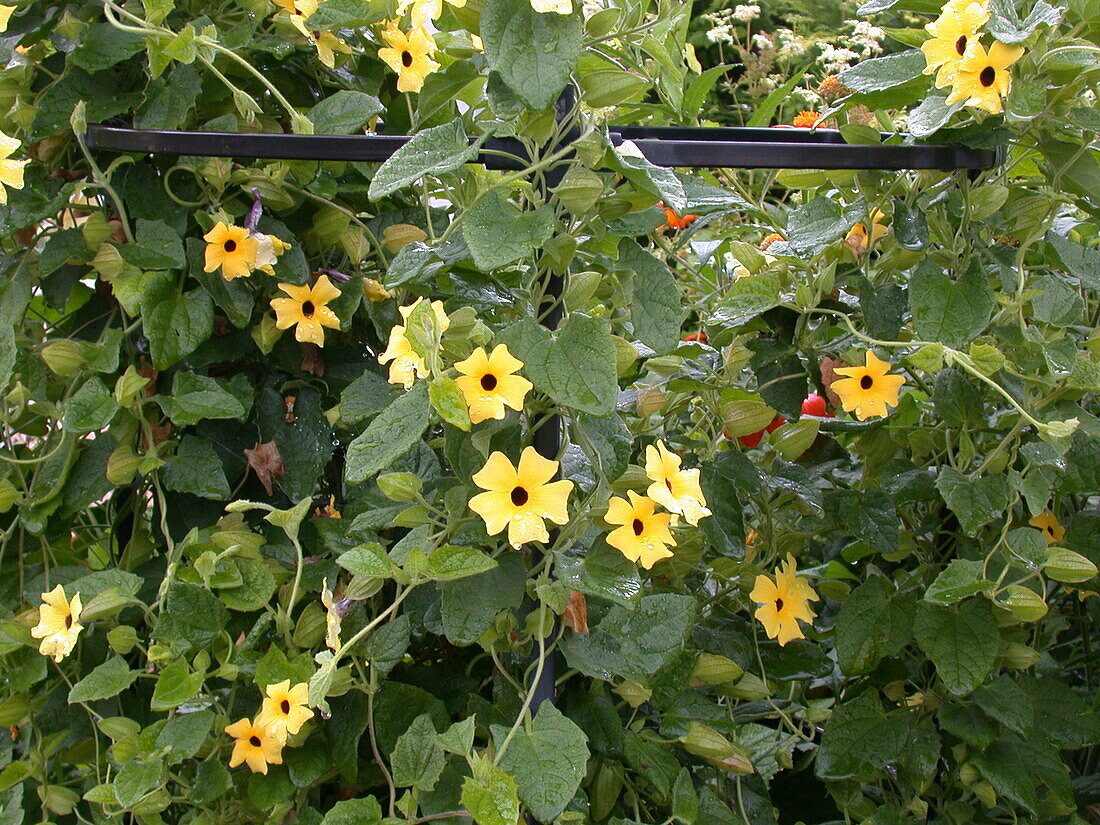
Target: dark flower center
[[69, 618], [308, 308], [519, 496], [1050, 529], [406, 59], [285, 706], [638, 526], [866, 382], [254, 741], [230, 246], [778, 605], [488, 382], [960, 45], [988, 75]]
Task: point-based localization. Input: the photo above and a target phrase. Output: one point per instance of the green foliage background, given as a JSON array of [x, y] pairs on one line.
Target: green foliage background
[[950, 676]]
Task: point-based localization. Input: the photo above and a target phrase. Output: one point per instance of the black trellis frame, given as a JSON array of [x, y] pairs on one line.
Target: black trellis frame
[[728, 147]]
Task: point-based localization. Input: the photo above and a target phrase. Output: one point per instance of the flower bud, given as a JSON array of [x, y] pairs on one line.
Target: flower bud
[[64, 358], [400, 487], [580, 189], [1025, 605], [265, 334], [129, 386], [649, 401], [1068, 567], [634, 694], [748, 688], [375, 291], [122, 466], [985, 792], [309, 631], [711, 669], [719, 751], [397, 236]]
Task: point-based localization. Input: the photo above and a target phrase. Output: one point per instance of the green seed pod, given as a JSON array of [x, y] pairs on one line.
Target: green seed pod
[[310, 628], [705, 741], [634, 694], [969, 774], [749, 688], [711, 669], [1025, 605], [122, 466], [400, 487], [580, 189], [1066, 566], [984, 791], [64, 358], [1018, 657]]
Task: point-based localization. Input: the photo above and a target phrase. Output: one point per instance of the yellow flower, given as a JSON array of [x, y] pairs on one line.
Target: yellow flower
[[644, 536], [982, 78], [5, 16], [1052, 530], [268, 250], [783, 603], [285, 709], [374, 291], [520, 498], [674, 489], [333, 617], [425, 10], [58, 624], [489, 384], [952, 32], [857, 238], [257, 745], [407, 364], [232, 249], [868, 390], [410, 55], [546, 6], [11, 171], [327, 44], [307, 308]]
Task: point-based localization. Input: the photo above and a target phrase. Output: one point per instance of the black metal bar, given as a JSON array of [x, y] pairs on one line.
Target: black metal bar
[[733, 147]]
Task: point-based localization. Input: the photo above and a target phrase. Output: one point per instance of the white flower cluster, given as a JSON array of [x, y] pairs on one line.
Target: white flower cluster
[[788, 44], [722, 29], [836, 59], [746, 14], [865, 37]]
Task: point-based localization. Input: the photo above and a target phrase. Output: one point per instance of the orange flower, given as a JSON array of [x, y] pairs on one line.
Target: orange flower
[[806, 120]]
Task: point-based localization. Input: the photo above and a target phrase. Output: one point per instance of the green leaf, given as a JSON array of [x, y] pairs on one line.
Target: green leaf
[[369, 560], [1006, 26], [655, 307], [103, 45], [434, 151], [345, 14], [869, 515], [157, 246], [469, 605], [961, 641], [90, 408], [198, 397], [498, 234], [449, 563], [490, 795], [175, 685], [185, 734], [447, 400], [1083, 262], [390, 435], [459, 737], [932, 113], [255, 590], [951, 312], [196, 469], [961, 579], [547, 759], [859, 739], [533, 53], [135, 779], [874, 621], [387, 645], [574, 366], [176, 324], [362, 811], [881, 73], [192, 616], [106, 680], [975, 503], [417, 760], [814, 226], [344, 112]]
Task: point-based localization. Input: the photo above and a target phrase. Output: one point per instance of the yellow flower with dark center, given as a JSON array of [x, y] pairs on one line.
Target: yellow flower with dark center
[[783, 603], [858, 239], [58, 624], [643, 536], [407, 365], [1046, 522], [676, 490], [410, 55], [520, 498], [868, 390], [11, 171], [952, 33], [307, 310], [285, 709], [256, 745], [232, 249], [489, 383], [982, 78]]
